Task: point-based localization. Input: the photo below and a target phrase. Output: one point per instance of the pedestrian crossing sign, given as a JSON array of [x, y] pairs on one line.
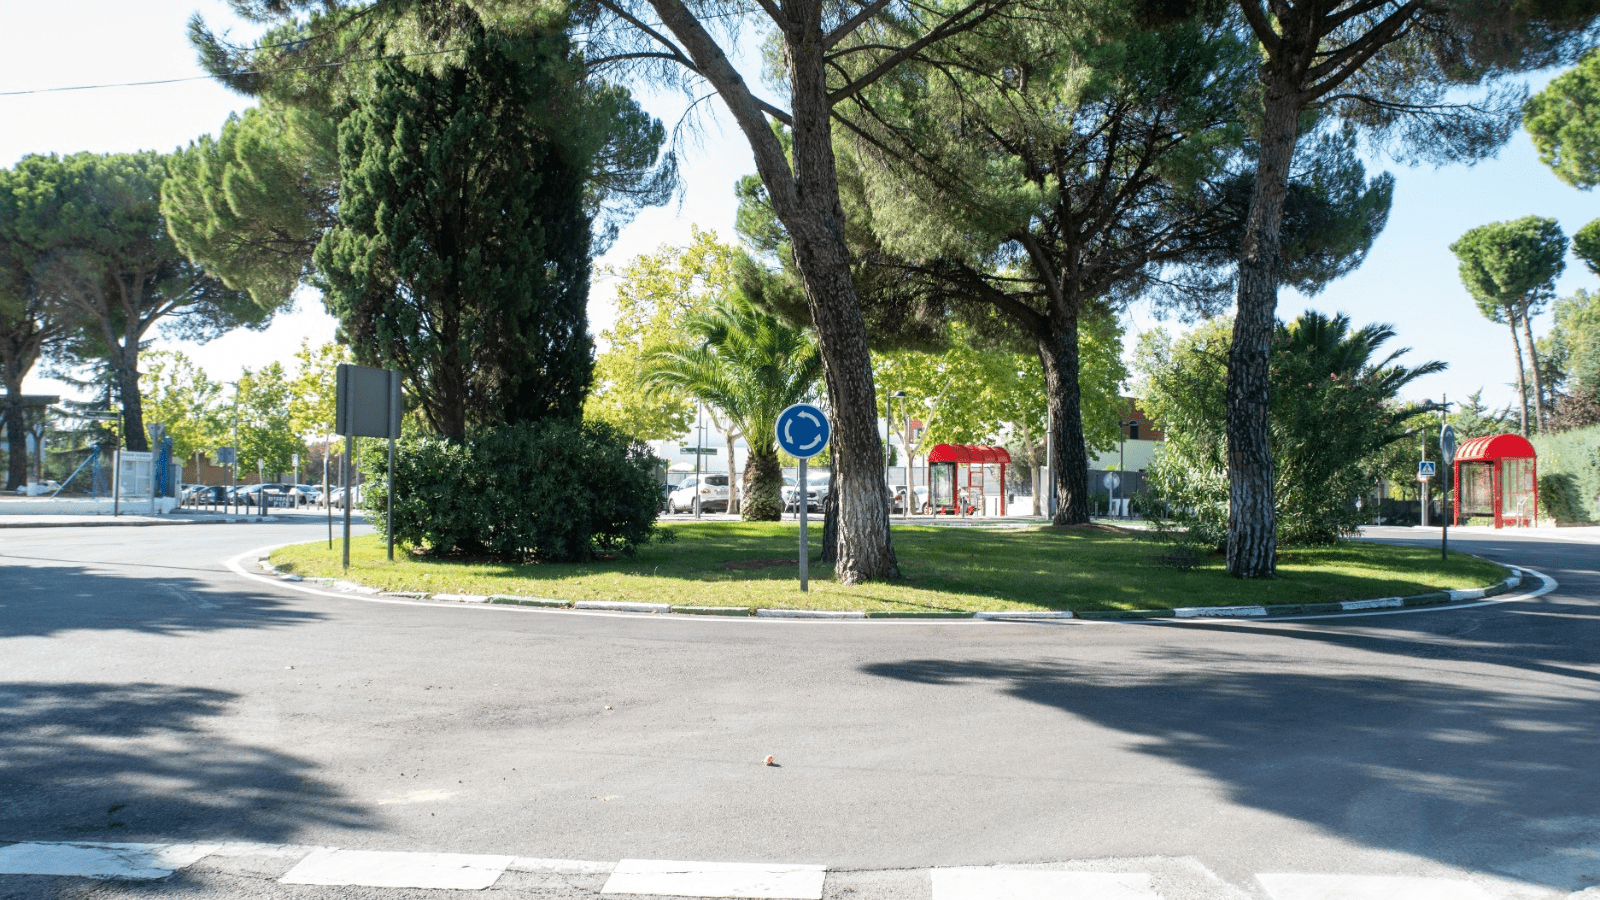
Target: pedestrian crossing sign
[[1424, 470]]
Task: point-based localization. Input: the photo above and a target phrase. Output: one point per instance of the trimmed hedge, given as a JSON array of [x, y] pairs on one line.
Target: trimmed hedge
[[549, 491]]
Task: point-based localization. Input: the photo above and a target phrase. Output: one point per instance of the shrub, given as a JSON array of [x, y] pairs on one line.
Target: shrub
[[1576, 455], [550, 491]]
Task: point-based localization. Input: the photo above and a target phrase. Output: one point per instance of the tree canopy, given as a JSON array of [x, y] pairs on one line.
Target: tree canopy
[[112, 264], [1510, 269], [1564, 122], [462, 253]]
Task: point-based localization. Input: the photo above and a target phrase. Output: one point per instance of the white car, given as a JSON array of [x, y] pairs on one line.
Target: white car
[[707, 493], [816, 492]]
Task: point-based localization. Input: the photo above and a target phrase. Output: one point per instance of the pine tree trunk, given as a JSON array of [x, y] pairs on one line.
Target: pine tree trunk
[[1522, 376], [127, 373], [1058, 351], [804, 190], [863, 547], [1538, 377], [1252, 522], [16, 437]]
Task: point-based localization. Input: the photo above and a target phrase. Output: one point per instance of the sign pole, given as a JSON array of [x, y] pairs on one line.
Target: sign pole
[[1447, 455], [805, 555], [802, 432], [349, 449], [389, 497]]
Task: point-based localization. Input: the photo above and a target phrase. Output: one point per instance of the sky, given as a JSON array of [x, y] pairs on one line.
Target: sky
[[1409, 279]]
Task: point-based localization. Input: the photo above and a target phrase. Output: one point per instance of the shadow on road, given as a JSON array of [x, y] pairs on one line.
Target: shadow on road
[[120, 762], [38, 601], [1475, 749]]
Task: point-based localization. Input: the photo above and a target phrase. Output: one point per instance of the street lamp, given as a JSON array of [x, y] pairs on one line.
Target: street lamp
[[699, 440], [1122, 439], [905, 444], [888, 433]]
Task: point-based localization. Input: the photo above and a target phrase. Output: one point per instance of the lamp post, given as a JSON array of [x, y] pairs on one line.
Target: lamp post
[[699, 439], [905, 444], [1122, 440], [888, 433]]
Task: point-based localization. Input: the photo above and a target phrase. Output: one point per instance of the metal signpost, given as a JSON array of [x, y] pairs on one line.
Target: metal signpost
[[1112, 481], [803, 431], [368, 405], [1447, 453], [1425, 472]]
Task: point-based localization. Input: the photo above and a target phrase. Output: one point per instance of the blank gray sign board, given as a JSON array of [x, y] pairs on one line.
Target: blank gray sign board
[[368, 402]]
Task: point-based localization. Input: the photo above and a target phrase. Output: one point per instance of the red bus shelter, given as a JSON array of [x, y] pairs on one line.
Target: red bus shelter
[[1498, 477], [946, 492]]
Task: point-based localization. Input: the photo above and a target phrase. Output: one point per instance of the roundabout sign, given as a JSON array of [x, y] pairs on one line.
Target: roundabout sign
[[803, 431]]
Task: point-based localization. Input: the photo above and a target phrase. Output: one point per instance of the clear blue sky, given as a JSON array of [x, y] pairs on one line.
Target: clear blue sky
[[1409, 280]]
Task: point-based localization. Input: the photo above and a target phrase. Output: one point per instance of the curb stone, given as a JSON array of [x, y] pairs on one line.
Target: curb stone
[[1431, 598]]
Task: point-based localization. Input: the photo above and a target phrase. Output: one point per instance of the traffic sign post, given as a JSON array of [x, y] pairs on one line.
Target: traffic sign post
[[803, 430], [1447, 454]]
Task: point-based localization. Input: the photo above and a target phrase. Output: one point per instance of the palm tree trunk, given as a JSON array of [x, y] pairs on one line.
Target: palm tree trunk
[[733, 472]]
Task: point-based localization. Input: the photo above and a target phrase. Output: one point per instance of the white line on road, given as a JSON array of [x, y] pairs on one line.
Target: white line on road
[[1038, 884], [372, 868], [781, 881]]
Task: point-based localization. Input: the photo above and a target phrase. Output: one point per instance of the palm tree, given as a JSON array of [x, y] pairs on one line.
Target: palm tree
[[750, 366], [1335, 408]]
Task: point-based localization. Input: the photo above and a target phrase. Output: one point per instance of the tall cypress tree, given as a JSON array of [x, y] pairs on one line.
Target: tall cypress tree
[[462, 252]]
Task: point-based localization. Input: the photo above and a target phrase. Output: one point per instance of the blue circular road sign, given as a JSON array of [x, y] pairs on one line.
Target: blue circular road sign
[[803, 430]]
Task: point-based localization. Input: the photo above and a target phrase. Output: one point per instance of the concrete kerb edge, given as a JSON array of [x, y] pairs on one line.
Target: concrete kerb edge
[[1383, 605]]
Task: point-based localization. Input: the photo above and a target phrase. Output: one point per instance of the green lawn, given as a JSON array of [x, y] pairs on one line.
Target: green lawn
[[746, 565]]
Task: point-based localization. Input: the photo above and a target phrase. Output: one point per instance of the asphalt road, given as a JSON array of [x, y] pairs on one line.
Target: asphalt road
[[149, 694]]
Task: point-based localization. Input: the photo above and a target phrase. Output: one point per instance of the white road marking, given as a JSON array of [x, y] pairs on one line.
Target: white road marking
[[779, 881], [97, 860], [1369, 887], [1038, 884], [371, 868]]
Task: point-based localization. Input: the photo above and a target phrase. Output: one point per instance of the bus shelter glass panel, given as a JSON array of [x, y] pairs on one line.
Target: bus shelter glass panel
[[942, 491], [1516, 489], [1477, 490]]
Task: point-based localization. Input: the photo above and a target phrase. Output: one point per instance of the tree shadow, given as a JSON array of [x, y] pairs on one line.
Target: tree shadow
[[130, 762], [1484, 763], [41, 601]]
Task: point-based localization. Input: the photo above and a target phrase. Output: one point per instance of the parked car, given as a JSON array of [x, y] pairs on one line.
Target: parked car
[[197, 494], [39, 488], [897, 500], [336, 496], [306, 494], [816, 492], [708, 493]]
